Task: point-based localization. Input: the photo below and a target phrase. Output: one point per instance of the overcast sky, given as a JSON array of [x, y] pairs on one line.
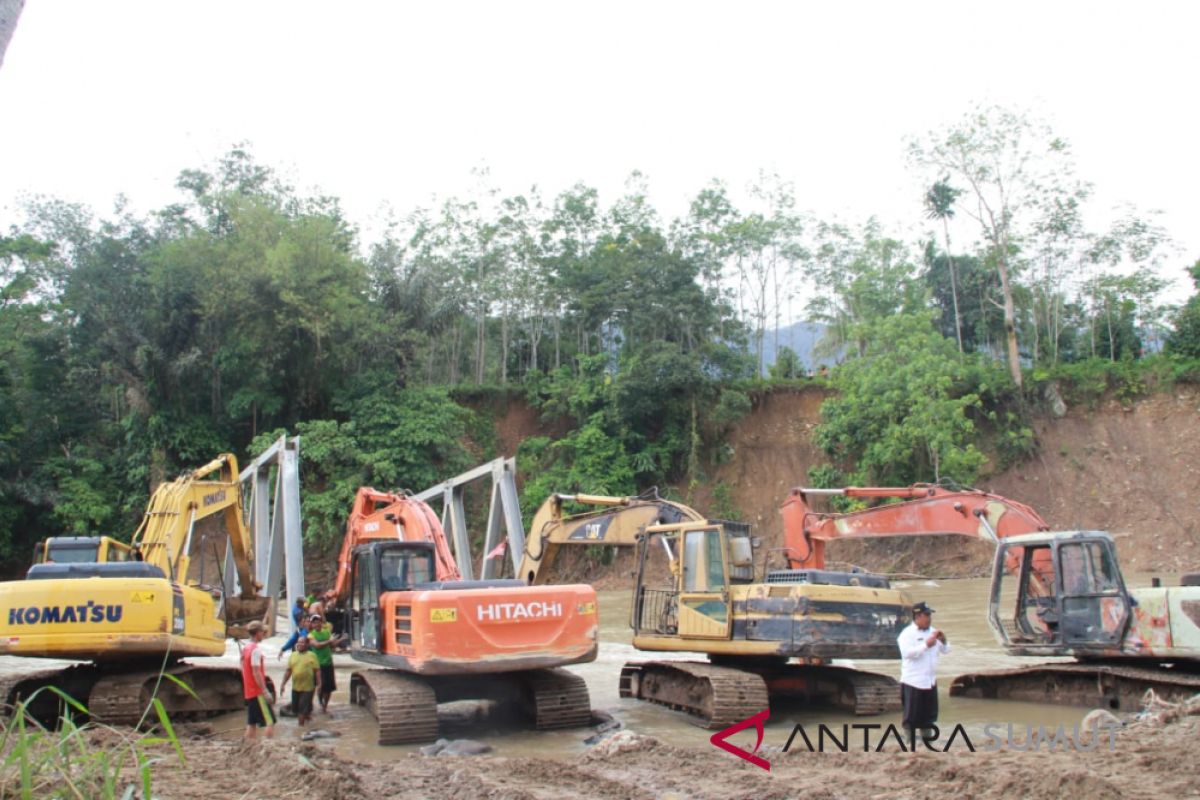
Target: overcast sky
[[396, 102]]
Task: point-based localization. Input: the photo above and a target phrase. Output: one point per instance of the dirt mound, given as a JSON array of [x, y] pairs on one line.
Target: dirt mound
[[1130, 470], [1127, 469], [268, 769]]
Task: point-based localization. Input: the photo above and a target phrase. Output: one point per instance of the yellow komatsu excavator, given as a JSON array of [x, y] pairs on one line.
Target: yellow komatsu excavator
[[766, 634], [129, 611]]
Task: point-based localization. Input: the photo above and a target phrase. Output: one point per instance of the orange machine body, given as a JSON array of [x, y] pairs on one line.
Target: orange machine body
[[464, 631], [426, 620]]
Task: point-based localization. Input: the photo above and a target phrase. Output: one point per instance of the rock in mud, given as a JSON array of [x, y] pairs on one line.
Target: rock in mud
[[435, 748], [319, 734], [621, 742], [465, 712], [459, 747], [603, 730]]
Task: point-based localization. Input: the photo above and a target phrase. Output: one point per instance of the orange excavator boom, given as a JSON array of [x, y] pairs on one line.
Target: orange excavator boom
[[390, 516], [927, 509]]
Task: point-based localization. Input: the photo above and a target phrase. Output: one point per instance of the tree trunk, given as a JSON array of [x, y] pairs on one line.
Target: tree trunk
[[480, 341], [953, 286], [557, 342], [1010, 323], [504, 348]]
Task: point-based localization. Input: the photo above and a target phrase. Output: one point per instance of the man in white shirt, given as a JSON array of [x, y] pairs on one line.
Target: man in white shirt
[[920, 647]]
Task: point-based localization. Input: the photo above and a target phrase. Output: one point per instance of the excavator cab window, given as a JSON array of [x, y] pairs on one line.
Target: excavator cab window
[[1094, 607], [656, 598], [703, 562], [704, 595], [1024, 587], [402, 568], [113, 551], [364, 599], [73, 551]]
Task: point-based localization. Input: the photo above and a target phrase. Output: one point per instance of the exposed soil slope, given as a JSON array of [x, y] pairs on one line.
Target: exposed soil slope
[[1130, 470]]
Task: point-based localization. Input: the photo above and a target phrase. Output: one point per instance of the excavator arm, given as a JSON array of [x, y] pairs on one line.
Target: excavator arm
[[616, 523], [389, 516], [164, 537], [926, 510]]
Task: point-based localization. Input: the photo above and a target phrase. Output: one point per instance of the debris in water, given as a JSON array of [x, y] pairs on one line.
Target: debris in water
[[457, 747], [319, 734]]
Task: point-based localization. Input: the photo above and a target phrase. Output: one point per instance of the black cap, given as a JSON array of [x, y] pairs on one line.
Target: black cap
[[922, 608]]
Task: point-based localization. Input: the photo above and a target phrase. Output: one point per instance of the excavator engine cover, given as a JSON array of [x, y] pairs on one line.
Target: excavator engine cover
[[829, 578]]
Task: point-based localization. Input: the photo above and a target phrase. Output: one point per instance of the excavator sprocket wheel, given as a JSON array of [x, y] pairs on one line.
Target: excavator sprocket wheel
[[404, 705]]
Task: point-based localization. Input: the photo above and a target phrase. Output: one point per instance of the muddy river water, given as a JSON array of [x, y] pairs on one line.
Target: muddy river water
[[960, 611]]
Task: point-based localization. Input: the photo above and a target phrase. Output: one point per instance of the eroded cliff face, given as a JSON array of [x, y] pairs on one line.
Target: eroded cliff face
[[1131, 470]]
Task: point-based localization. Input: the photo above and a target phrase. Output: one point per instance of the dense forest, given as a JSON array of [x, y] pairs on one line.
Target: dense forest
[[135, 346]]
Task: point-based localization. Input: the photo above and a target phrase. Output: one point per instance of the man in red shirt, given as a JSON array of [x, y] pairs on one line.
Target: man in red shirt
[[254, 684]]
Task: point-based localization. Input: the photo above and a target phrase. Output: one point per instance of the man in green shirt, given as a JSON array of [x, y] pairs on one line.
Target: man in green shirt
[[305, 671], [320, 634]]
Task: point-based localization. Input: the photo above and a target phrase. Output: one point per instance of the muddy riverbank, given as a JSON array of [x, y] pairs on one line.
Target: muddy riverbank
[[1145, 761], [658, 754]]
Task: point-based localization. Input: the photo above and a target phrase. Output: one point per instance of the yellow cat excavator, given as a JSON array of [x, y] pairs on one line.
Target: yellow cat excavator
[[131, 610], [766, 634]]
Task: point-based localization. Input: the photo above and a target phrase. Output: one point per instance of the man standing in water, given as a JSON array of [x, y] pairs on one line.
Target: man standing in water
[[320, 638], [304, 668], [920, 647], [254, 684]]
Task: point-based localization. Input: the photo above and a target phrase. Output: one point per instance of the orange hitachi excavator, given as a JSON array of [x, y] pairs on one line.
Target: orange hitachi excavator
[[440, 638], [1053, 594]]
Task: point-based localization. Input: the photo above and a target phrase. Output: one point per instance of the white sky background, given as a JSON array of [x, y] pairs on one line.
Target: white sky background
[[395, 102]]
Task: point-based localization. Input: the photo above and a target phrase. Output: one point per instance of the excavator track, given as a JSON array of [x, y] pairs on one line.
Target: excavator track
[[404, 705], [559, 699], [46, 706], [123, 698], [863, 693], [1114, 686], [715, 697], [718, 696]]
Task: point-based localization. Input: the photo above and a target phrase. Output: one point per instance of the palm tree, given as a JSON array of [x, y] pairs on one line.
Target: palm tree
[[939, 204]]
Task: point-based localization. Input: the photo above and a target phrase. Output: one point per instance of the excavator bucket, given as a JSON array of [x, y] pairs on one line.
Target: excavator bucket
[[241, 611]]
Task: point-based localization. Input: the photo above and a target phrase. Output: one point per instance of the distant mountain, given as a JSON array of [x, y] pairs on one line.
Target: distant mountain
[[802, 338]]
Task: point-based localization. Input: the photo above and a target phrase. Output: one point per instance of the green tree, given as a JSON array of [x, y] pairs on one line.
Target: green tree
[[1184, 340], [787, 364], [1013, 167], [860, 275], [903, 412]]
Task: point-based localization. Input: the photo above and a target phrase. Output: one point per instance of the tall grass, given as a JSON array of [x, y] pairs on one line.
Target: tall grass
[[80, 761]]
